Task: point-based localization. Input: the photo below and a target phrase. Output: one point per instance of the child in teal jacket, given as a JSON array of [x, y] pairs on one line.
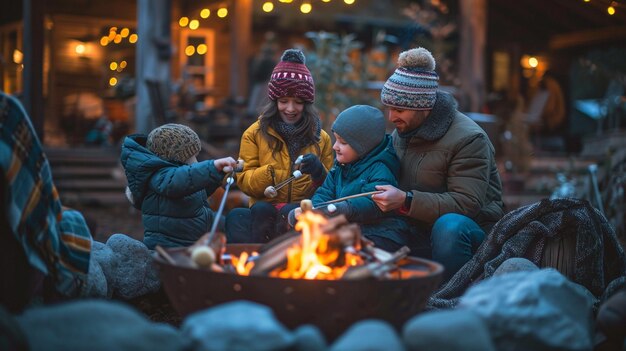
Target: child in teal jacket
[[364, 158]]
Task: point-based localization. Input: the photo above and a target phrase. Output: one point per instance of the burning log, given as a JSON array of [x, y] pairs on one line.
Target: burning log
[[376, 269]]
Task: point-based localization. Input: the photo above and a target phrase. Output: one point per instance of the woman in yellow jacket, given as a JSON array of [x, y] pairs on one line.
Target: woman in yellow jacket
[[288, 127]]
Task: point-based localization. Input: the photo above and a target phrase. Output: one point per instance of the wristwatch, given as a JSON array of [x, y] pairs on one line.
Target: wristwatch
[[408, 199]]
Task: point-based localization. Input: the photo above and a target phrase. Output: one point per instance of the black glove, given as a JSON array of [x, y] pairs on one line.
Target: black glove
[[336, 209], [313, 166]]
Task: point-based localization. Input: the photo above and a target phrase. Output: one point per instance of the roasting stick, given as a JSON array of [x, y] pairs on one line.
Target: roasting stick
[[165, 255], [203, 255], [347, 198], [271, 191]]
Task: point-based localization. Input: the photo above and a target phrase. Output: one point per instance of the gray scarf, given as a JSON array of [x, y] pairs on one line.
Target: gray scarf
[[295, 142]]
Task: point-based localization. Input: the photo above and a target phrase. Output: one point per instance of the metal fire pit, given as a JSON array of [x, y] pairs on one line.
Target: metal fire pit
[[331, 305]]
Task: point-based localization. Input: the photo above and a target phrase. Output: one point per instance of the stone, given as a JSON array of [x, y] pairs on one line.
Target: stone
[[134, 271], [105, 257], [97, 285], [97, 325], [369, 334], [433, 331], [309, 338], [238, 325], [515, 264], [541, 310]]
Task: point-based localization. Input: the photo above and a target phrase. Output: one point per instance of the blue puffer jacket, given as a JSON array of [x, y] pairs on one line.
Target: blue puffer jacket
[[172, 196], [381, 166]]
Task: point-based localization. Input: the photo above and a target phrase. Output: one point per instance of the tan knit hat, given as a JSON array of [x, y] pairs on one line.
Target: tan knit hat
[[174, 142]]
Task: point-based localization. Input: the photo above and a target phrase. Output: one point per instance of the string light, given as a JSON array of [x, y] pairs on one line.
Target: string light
[[222, 12], [268, 6], [205, 13], [306, 6], [611, 8]]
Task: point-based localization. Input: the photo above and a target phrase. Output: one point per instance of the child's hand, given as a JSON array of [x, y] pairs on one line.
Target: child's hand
[[313, 166], [226, 164], [291, 218]]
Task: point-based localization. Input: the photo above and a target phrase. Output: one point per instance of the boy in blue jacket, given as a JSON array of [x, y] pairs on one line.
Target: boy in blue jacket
[[364, 158], [168, 184]]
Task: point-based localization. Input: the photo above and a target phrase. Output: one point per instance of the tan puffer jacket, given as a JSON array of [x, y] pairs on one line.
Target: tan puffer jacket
[[450, 167]]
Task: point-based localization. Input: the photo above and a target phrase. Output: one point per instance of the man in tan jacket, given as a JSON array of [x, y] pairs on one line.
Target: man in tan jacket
[[449, 186]]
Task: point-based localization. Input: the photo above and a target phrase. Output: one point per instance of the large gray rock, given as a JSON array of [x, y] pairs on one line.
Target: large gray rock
[[450, 330], [515, 264], [239, 325], [105, 257], [309, 338], [97, 285], [96, 325], [133, 272], [371, 334], [533, 310]]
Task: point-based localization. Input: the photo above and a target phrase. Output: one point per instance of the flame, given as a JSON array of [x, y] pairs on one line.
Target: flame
[[241, 264], [317, 256]]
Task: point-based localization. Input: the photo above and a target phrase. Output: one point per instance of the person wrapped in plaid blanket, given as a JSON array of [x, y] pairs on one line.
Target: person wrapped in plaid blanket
[[44, 248]]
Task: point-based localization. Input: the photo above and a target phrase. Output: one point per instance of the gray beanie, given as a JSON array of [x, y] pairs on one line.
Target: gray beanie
[[362, 127], [174, 142]]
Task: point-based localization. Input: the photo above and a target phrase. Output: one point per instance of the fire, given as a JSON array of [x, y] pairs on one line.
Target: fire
[[317, 256], [241, 263]]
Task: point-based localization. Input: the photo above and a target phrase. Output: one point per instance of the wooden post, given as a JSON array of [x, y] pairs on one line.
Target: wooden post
[[153, 62], [240, 33], [33, 62], [473, 30]]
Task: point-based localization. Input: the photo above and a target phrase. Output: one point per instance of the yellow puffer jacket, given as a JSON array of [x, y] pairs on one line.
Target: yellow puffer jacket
[[262, 170]]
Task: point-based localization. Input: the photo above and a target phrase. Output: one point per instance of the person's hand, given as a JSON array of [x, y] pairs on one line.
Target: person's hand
[[226, 164], [291, 217], [390, 199], [335, 209], [313, 166]]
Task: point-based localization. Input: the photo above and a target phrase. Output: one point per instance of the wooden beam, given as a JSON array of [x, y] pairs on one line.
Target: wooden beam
[[33, 62], [473, 31], [153, 59], [240, 33], [587, 37]]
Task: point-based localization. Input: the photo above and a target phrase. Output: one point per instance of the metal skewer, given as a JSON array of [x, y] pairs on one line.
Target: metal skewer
[[220, 209], [347, 198], [270, 191]]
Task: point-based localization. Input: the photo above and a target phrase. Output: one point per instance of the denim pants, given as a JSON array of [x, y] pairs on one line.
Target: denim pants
[[454, 240], [258, 224]]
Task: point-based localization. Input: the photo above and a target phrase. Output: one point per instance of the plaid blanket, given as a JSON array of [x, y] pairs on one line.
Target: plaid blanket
[[599, 258], [56, 242]]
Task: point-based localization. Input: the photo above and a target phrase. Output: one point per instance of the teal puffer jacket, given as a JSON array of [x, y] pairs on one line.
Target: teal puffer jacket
[[379, 167], [172, 196]]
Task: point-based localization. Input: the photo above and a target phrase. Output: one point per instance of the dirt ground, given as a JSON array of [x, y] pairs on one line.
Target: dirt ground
[[112, 220]]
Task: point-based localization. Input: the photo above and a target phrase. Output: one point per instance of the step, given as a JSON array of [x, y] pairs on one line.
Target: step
[[93, 198], [89, 184], [65, 172]]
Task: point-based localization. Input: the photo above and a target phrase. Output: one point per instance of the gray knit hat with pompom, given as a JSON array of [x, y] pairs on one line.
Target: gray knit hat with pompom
[[413, 85], [174, 142]]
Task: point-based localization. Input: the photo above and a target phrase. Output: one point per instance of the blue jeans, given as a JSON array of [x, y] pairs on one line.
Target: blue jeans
[[454, 239], [258, 224]]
